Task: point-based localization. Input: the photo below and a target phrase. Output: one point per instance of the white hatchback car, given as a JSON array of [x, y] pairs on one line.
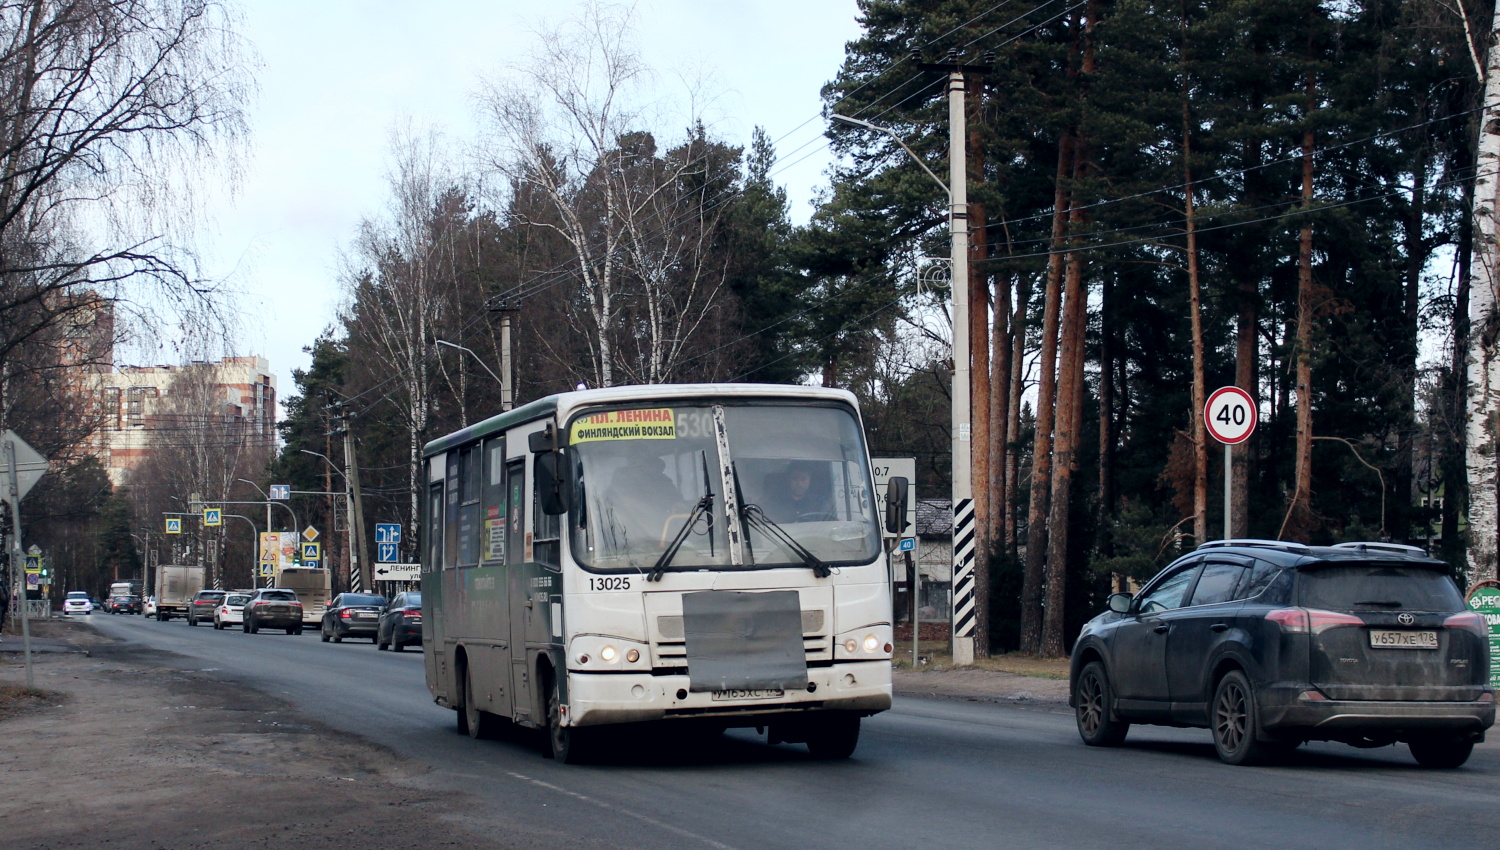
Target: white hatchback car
[[78, 602], [231, 610]]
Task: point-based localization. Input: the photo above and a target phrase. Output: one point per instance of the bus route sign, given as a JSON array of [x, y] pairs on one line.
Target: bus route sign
[[1486, 600]]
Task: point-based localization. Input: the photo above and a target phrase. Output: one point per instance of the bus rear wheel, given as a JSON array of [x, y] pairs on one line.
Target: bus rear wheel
[[472, 720]]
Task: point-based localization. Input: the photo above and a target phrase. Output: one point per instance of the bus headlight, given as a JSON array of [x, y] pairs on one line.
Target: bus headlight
[[871, 642], [598, 652]]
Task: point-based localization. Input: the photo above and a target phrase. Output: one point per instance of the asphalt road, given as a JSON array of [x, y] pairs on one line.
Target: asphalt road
[[939, 773]]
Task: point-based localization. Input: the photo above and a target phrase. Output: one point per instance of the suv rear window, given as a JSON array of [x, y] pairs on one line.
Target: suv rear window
[[1378, 587], [279, 596]]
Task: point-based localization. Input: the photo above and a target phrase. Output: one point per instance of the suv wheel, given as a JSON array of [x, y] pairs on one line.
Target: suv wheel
[[1094, 703], [1441, 753], [1236, 721]]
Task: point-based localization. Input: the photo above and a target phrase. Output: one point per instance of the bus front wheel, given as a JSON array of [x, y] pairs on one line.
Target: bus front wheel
[[834, 736], [567, 744]]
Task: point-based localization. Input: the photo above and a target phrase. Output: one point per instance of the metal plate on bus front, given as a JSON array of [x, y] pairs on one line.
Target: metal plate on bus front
[[744, 641]]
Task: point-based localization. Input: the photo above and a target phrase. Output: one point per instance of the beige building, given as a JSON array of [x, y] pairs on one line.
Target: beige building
[[134, 402]]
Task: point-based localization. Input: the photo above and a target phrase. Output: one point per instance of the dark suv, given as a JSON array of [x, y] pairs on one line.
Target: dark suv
[[1271, 644], [203, 605], [274, 608]]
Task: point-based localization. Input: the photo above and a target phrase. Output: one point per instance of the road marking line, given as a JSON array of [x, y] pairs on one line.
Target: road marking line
[[603, 805]]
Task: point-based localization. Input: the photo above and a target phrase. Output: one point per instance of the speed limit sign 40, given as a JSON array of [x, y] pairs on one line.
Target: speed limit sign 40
[[1230, 415]]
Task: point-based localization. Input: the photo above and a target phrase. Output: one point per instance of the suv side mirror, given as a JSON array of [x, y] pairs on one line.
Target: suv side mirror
[[1120, 602], [896, 500]]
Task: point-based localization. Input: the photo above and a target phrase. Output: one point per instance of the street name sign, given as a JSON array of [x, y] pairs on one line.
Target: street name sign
[[398, 572]]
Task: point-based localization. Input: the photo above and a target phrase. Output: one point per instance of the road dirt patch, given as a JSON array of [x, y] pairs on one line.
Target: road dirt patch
[[126, 747], [971, 684]]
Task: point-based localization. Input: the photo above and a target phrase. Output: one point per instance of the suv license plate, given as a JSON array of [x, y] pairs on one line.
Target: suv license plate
[[770, 693], [1394, 639]]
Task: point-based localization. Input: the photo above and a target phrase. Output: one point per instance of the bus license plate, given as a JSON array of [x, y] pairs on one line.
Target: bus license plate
[[770, 693], [1394, 639]]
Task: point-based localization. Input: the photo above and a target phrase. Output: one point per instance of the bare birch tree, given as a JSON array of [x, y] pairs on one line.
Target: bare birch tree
[[1484, 335], [569, 126]]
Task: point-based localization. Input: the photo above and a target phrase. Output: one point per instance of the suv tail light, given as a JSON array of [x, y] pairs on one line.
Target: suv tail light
[[1303, 621], [1468, 621]]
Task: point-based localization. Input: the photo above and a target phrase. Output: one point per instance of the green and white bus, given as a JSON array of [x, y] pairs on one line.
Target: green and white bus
[[708, 554]]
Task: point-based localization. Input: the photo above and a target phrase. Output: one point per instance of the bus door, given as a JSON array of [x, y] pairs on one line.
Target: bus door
[[519, 598]]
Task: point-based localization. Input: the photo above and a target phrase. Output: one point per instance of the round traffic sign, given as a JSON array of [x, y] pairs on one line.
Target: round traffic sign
[[1230, 415]]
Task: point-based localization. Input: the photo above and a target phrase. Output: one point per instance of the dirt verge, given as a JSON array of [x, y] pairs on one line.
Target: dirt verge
[[133, 748]]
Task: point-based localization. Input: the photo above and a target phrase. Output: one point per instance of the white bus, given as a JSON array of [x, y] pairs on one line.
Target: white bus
[[313, 587], [705, 554]]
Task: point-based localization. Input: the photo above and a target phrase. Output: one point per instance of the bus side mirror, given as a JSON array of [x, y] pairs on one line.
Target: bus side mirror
[[552, 484], [544, 440], [895, 505]]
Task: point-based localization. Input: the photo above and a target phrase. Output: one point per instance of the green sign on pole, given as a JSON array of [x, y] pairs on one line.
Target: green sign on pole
[[1486, 600]]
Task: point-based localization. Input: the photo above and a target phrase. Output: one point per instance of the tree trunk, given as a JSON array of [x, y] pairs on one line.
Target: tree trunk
[[1000, 415], [979, 384], [1046, 401], [1106, 413], [1195, 315], [1483, 459], [1397, 521], [1066, 438], [1298, 522], [1013, 420]]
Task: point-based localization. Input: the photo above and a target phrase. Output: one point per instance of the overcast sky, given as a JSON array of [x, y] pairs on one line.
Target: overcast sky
[[337, 75]]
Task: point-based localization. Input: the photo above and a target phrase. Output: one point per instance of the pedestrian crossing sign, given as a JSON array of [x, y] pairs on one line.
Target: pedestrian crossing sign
[[174, 525]]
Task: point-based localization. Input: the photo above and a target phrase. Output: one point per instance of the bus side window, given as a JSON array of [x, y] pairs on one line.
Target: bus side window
[[450, 513], [492, 506], [433, 530], [515, 529], [470, 478], [546, 547]]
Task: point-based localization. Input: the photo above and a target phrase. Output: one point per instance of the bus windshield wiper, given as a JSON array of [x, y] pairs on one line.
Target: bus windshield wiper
[[705, 506], [757, 517]]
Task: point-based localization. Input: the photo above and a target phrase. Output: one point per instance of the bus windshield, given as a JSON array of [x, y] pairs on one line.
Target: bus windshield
[[652, 478]]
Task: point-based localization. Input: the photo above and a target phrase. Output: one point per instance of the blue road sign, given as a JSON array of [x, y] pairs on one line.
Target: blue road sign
[[387, 553], [387, 532], [908, 544], [281, 492]]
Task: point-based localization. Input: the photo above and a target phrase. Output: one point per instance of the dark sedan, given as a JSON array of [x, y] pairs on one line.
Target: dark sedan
[[401, 624], [125, 605], [1270, 644], [352, 615]]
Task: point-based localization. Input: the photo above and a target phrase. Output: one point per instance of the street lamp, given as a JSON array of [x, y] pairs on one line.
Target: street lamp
[[263, 496], [505, 392], [330, 463], [958, 231]]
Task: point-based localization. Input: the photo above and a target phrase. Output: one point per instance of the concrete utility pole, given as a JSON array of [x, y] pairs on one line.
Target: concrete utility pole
[[964, 598], [359, 548], [507, 374]]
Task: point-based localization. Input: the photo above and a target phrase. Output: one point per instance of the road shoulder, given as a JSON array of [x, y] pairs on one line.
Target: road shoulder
[[133, 747]]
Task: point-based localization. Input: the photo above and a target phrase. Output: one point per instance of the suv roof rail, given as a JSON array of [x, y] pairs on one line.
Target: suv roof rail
[[1378, 546], [1283, 545]]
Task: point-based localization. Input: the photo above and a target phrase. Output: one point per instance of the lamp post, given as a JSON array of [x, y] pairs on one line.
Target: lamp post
[[348, 504], [958, 231], [504, 385]]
